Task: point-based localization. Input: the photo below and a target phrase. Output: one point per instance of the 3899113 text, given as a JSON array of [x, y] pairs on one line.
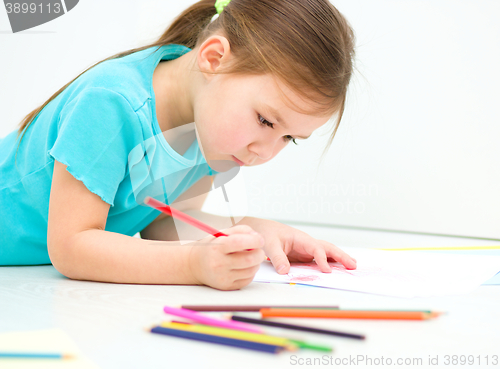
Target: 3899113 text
[[33, 8]]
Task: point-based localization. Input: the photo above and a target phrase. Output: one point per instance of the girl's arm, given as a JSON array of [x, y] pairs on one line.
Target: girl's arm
[[283, 244], [80, 248]]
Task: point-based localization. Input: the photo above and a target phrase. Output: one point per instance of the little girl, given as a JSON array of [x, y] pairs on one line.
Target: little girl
[[251, 75]]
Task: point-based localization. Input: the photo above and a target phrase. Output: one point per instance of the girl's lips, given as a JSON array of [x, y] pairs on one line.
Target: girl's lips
[[240, 163]]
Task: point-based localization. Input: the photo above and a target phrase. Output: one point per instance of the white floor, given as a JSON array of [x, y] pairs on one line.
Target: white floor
[[107, 321]]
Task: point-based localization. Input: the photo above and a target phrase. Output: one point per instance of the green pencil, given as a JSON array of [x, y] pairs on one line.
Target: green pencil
[[310, 346]]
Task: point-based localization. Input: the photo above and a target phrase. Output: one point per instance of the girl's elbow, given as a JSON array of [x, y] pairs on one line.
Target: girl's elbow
[[60, 255]]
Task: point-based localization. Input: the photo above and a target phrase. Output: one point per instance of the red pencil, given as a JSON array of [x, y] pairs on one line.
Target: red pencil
[[158, 205]]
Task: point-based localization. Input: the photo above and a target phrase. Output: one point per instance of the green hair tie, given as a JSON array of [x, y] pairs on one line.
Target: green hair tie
[[220, 5]]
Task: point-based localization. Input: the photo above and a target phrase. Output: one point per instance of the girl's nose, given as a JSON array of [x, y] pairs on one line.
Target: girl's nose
[[264, 150]]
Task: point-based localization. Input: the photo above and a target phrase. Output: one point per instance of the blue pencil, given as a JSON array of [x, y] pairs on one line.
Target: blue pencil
[[33, 355], [218, 339]]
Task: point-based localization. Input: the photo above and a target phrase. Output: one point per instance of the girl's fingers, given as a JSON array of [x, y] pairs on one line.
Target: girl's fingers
[[237, 229], [320, 259], [240, 283], [278, 257], [246, 273], [246, 259], [337, 254], [301, 258], [242, 242]]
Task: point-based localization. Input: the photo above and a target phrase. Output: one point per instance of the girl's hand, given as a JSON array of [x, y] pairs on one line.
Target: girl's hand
[[227, 263], [284, 244]]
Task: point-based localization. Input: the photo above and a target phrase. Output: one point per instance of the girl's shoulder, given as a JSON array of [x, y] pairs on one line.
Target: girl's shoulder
[[127, 76], [130, 76]]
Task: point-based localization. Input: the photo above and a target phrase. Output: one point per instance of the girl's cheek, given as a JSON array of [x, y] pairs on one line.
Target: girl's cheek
[[239, 138]]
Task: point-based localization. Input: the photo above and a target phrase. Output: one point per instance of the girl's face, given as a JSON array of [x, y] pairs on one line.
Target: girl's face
[[243, 120]]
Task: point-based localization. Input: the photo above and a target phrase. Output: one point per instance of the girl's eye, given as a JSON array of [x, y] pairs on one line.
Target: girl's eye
[[264, 122]]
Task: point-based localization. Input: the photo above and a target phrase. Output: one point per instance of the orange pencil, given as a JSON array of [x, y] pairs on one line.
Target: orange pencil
[[346, 314]]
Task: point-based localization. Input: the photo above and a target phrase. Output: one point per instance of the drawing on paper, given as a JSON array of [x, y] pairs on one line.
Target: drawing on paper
[[302, 277]]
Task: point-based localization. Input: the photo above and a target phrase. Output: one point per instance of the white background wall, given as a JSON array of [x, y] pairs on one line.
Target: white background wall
[[417, 149]]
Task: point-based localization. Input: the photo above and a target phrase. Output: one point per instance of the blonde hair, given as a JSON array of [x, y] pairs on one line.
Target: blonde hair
[[307, 44]]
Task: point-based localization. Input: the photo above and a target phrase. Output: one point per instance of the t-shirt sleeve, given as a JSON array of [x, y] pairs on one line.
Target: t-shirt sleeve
[[97, 129]]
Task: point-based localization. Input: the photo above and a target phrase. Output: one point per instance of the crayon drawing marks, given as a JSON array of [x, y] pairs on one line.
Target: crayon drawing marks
[[310, 266], [302, 277]]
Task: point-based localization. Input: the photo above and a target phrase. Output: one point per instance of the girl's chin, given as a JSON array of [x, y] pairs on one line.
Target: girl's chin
[[223, 165]]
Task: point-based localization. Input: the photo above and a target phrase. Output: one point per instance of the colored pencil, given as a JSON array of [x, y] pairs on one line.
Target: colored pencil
[[216, 339], [300, 344], [250, 336], [257, 308], [310, 346], [249, 307], [346, 314], [34, 355], [231, 333], [203, 319], [301, 328], [419, 311], [158, 205]]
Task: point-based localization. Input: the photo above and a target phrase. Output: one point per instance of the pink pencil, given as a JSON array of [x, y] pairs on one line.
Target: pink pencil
[[158, 205], [200, 318]]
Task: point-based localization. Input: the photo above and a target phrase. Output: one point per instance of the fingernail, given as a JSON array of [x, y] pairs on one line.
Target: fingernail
[[281, 269]]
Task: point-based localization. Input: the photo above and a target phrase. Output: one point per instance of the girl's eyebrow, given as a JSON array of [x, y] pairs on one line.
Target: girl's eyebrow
[[276, 115]]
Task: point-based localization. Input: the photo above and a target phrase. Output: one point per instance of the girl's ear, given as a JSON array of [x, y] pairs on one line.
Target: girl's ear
[[213, 53]]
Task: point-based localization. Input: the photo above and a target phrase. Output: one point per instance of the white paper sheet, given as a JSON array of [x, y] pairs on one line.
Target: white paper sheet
[[401, 274]]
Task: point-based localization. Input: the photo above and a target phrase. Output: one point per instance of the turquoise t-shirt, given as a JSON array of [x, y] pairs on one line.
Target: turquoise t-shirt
[[103, 127]]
